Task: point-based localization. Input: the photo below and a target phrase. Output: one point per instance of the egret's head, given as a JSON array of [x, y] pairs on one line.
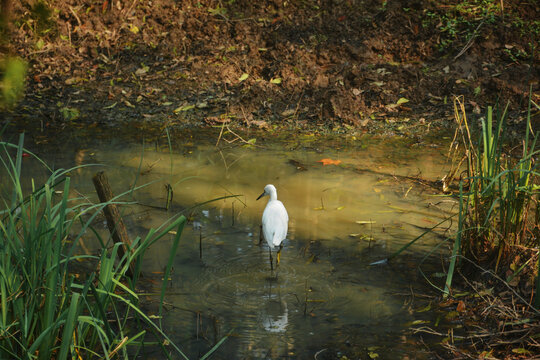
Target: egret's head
[[268, 190]]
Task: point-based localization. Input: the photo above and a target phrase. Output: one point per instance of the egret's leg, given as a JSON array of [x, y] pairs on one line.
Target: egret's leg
[[279, 254], [271, 260], [260, 235]]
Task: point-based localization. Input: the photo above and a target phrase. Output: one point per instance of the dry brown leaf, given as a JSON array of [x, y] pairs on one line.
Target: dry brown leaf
[[329, 162]]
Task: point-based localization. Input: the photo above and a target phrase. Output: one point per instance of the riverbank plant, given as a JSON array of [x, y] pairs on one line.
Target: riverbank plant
[[56, 304], [498, 196]]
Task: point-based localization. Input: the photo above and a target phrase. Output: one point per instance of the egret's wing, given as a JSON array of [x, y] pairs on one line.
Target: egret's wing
[[275, 223]]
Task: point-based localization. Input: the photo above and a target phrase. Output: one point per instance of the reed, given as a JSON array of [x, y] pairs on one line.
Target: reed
[[499, 192], [48, 310]]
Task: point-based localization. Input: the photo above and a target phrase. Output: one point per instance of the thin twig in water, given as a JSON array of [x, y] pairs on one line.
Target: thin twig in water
[[237, 137], [319, 352], [220, 134]]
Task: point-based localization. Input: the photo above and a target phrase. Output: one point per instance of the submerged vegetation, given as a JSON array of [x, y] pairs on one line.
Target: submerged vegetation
[[56, 303]]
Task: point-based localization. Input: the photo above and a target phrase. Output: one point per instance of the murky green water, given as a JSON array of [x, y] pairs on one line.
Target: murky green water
[[324, 299]]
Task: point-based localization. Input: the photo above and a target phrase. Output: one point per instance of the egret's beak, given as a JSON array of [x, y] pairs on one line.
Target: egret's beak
[[260, 196]]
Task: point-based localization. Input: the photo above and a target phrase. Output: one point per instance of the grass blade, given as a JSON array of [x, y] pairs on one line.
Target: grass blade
[[69, 326], [457, 245], [181, 223]]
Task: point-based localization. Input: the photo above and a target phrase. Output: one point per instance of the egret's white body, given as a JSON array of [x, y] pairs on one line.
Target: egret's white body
[[275, 220]]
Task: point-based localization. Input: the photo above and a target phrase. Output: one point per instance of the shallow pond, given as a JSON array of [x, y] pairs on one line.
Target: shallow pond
[[324, 300]]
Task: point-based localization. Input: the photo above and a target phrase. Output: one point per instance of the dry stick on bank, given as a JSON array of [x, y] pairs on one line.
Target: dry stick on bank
[[502, 322], [114, 220]]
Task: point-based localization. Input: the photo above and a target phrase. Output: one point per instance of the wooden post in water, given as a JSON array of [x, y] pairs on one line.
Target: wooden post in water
[[114, 220]]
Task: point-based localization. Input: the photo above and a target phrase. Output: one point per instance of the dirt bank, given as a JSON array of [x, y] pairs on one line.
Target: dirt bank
[[352, 64]]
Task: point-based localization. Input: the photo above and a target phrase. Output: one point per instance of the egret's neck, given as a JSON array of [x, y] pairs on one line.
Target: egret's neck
[[273, 196]]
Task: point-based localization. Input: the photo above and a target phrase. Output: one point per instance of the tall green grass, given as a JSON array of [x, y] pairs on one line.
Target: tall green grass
[[55, 304], [499, 192]]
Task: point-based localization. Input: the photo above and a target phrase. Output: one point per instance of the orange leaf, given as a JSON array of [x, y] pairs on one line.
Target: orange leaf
[[461, 306], [329, 162]]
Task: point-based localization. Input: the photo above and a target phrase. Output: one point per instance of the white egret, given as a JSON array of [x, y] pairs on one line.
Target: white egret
[[275, 222]]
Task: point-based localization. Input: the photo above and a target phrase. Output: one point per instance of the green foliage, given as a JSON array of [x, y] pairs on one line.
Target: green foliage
[[48, 310], [13, 80], [38, 18], [463, 19], [41, 12], [516, 54], [69, 113]]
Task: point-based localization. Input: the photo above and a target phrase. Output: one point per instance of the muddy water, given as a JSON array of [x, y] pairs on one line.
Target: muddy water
[[323, 299]]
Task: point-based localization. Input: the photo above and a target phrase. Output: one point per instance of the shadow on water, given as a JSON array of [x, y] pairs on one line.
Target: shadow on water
[[323, 299]]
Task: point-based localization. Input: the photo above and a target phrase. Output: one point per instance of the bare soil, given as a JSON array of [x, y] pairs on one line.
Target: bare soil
[[303, 64]]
